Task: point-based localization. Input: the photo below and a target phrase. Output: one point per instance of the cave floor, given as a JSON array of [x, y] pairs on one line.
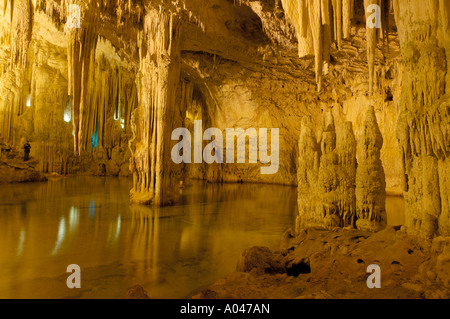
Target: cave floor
[[333, 264]]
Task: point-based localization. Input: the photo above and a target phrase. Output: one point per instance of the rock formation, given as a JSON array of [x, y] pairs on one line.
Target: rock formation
[[157, 81], [307, 174], [423, 125], [71, 91], [333, 191], [370, 180]]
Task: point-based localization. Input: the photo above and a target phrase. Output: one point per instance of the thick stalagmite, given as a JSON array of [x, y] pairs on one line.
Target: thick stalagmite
[[307, 171], [370, 178], [158, 79], [333, 190]]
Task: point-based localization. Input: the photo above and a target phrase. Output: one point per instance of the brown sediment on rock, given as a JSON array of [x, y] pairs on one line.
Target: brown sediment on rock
[[333, 265]]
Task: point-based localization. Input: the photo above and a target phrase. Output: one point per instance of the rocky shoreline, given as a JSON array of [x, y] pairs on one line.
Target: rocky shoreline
[[324, 264]]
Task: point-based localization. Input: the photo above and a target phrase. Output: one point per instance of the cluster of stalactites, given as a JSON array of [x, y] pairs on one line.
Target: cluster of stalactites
[[317, 28], [81, 47], [126, 11], [21, 26], [377, 27], [314, 24]]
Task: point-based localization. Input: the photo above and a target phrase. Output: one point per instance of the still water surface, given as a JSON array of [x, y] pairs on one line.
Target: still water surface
[[170, 251]]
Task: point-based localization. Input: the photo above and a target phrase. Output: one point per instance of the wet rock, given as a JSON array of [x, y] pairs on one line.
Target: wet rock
[[137, 292], [15, 174], [112, 169], [261, 260]]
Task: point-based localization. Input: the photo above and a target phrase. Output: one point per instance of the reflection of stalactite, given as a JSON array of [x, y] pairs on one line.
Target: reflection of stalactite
[[144, 238]]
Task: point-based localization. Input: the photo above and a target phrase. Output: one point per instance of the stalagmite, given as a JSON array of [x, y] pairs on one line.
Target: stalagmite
[[346, 149], [329, 178], [307, 173], [370, 178], [326, 175]]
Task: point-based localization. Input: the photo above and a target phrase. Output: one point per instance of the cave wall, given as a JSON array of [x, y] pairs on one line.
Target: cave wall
[[134, 72], [423, 126], [42, 90]]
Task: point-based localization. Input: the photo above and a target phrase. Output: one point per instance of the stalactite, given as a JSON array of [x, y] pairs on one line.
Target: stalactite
[[13, 75], [347, 15], [312, 21], [20, 31], [81, 49], [371, 36], [315, 19]]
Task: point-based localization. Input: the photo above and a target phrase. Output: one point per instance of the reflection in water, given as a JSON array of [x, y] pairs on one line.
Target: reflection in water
[[170, 251], [61, 235], [92, 209], [21, 241]]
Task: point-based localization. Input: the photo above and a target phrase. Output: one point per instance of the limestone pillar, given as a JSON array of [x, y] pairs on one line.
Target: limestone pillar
[[157, 81]]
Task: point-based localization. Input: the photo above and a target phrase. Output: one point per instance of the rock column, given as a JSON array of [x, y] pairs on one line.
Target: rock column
[[157, 82]]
